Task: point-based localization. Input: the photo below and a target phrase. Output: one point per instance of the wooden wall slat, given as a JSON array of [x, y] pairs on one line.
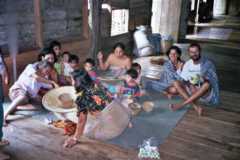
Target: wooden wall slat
[[38, 23]]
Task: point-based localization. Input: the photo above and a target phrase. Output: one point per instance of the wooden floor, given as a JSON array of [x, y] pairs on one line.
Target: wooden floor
[[215, 136]]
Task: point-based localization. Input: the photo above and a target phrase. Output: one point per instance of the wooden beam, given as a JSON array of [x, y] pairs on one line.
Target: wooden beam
[[95, 25], [217, 25], [85, 19], [38, 23]]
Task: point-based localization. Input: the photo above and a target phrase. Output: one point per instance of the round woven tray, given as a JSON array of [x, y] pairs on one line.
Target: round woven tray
[[52, 102]]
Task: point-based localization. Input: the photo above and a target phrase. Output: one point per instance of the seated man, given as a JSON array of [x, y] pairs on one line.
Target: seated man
[[28, 85], [118, 62], [200, 81]]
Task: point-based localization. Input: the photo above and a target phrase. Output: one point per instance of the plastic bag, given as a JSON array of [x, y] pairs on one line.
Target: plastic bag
[[110, 123]]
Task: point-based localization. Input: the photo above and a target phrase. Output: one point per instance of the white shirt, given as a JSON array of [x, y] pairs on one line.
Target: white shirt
[[190, 70], [27, 82], [67, 69]]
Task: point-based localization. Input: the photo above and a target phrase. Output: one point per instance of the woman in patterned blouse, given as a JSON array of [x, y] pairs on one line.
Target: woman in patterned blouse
[[91, 98]]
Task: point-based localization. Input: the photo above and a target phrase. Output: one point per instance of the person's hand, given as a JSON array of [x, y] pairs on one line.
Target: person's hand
[[180, 65], [55, 85], [6, 80], [100, 55], [70, 142], [121, 89]]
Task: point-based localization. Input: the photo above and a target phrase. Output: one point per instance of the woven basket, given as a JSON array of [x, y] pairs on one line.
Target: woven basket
[[52, 102]]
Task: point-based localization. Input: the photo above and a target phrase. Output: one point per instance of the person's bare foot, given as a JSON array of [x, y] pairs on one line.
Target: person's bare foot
[[130, 125], [200, 111], [175, 107]]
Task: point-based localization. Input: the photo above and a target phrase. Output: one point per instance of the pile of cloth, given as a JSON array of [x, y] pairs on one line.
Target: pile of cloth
[[69, 127]]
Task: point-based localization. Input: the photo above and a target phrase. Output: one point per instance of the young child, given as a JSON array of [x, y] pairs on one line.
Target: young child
[[3, 79], [131, 87], [62, 68], [61, 63], [73, 64], [138, 68], [89, 66]]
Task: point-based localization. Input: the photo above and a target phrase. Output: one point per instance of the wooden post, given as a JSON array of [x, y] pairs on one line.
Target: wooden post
[[197, 17], [38, 23], [169, 18], [85, 19], [95, 26]]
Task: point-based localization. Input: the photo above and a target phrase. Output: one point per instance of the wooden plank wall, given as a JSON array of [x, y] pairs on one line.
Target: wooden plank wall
[[140, 13], [109, 42]]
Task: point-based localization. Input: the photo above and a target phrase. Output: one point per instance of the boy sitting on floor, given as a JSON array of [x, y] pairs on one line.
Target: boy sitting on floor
[[130, 89], [89, 66]]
